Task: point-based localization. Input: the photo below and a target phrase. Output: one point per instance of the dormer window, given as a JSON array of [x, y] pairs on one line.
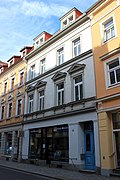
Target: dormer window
[[37, 43], [41, 41], [70, 19], [23, 53], [65, 23], [11, 62]]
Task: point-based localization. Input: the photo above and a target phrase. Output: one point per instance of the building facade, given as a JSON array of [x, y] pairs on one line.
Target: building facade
[[104, 17], [60, 118], [12, 82]]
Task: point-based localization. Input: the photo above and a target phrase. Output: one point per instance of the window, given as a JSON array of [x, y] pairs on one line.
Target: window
[[109, 29], [2, 112], [5, 87], [12, 83], [30, 103], [19, 106], [41, 41], [42, 66], [114, 72], [76, 47], [65, 23], [21, 81], [70, 19], [60, 94], [78, 88], [32, 72], [41, 100], [60, 53], [11, 62], [9, 109]]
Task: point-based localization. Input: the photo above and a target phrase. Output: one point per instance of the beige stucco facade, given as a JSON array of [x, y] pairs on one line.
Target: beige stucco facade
[[12, 91], [106, 46]]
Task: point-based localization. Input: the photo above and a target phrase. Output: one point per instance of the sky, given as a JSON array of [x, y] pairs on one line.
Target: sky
[[22, 20]]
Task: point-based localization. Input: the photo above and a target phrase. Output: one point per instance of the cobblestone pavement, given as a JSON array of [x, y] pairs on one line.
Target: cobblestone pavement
[[55, 173]]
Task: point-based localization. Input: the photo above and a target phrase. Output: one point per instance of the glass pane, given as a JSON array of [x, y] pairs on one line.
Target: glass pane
[[75, 51], [60, 86], [112, 31], [78, 79], [59, 102], [112, 77], [108, 23], [117, 138], [76, 93], [88, 145], [81, 91], [118, 75], [114, 64]]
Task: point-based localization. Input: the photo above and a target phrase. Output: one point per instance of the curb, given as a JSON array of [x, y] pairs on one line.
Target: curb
[[30, 172]]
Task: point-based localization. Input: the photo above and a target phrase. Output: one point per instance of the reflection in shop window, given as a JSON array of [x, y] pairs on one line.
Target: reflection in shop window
[[116, 120]]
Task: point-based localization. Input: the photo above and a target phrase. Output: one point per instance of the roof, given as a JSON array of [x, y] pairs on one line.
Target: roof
[[3, 64]]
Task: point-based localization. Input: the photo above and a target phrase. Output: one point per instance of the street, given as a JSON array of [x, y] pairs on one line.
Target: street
[[6, 173]]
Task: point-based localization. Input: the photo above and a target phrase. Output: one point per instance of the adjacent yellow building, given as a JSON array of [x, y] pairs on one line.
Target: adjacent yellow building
[[12, 83], [105, 16]]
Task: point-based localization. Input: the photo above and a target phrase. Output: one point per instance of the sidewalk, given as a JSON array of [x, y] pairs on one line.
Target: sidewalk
[[54, 173]]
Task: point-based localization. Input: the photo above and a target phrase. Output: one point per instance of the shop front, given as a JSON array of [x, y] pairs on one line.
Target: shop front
[[116, 133], [49, 143]]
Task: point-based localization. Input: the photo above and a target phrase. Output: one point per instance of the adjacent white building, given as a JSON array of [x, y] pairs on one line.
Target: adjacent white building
[[60, 120]]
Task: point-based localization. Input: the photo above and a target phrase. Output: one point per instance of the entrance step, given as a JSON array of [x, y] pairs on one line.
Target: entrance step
[[116, 172], [87, 171]]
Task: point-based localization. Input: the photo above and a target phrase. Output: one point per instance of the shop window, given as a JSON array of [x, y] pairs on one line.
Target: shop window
[[8, 148], [113, 69], [116, 120], [78, 88], [0, 139]]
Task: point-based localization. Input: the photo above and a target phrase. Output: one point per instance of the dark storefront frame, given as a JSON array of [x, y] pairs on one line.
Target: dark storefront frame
[[49, 142]]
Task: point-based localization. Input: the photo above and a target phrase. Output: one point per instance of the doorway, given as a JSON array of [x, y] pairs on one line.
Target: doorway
[[89, 146]]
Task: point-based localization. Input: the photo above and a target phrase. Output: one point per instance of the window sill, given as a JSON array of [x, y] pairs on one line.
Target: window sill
[[105, 42], [113, 86]]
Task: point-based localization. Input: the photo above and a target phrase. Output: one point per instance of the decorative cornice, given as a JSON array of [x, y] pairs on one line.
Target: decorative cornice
[[76, 67], [30, 88], [59, 75], [40, 84], [110, 54]]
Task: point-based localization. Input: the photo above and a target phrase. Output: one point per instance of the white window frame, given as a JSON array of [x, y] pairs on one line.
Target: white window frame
[[60, 56], [12, 88], [103, 29], [9, 109], [17, 107], [78, 85], [32, 72], [42, 66], [2, 112], [41, 102], [77, 46], [62, 94], [108, 71], [19, 83], [30, 103]]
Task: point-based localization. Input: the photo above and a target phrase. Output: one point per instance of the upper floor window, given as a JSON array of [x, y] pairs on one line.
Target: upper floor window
[[12, 83], [78, 88], [71, 19], [9, 109], [109, 29], [21, 80], [114, 72], [19, 106], [5, 87], [60, 53], [42, 66], [60, 94], [32, 75], [30, 103], [76, 47], [41, 100], [2, 112]]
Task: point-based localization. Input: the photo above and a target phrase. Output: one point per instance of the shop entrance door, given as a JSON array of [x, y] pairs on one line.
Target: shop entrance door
[[117, 142], [89, 149]]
